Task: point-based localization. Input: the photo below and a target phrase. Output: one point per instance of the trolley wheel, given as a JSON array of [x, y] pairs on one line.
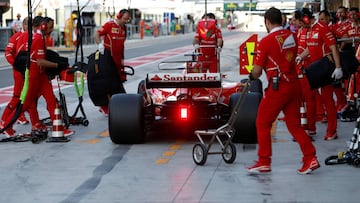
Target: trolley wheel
[[35, 140], [85, 122], [199, 154], [229, 153], [356, 162]]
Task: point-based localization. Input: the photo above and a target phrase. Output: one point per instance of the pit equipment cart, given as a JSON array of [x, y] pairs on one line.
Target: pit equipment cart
[[223, 135]]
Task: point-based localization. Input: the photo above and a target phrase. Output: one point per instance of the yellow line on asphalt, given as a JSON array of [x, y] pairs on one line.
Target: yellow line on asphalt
[[175, 147], [168, 154], [104, 134], [95, 140], [91, 141], [91, 133], [273, 133], [273, 128], [162, 161]]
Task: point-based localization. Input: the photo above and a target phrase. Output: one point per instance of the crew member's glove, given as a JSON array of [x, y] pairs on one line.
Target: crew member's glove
[[337, 74], [219, 49], [196, 46], [101, 48], [298, 59]]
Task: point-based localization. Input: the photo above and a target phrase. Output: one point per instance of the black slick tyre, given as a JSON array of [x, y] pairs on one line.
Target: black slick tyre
[[245, 124], [126, 119]]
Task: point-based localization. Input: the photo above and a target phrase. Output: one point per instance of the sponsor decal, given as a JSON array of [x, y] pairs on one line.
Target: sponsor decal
[[315, 36], [312, 44], [115, 30], [289, 42], [191, 77]]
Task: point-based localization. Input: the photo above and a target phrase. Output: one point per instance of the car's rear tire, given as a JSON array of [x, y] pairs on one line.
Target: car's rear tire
[[126, 120], [141, 87], [245, 124]]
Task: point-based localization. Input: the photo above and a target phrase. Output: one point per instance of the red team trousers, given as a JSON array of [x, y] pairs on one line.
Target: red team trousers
[[39, 85], [288, 101], [327, 97], [310, 99], [18, 85], [209, 63]]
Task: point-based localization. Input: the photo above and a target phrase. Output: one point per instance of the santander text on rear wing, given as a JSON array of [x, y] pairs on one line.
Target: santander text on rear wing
[[183, 80]]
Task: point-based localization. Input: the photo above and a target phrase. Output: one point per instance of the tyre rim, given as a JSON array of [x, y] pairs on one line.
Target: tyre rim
[[198, 154], [227, 152]]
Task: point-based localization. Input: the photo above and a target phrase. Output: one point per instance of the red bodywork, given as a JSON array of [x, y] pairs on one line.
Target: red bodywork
[[212, 95], [190, 94]]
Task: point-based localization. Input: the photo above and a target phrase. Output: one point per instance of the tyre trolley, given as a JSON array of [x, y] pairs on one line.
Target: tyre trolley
[[352, 155], [223, 135]]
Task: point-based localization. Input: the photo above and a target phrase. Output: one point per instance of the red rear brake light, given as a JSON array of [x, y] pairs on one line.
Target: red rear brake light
[[184, 113]]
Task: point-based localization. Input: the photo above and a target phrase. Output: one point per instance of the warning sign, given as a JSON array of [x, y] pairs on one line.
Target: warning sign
[[246, 54]]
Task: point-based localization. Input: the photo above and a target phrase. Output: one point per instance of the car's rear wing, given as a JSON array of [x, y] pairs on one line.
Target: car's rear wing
[[183, 80]]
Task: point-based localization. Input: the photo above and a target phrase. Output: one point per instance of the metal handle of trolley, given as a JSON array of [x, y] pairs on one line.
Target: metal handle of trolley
[[197, 49], [223, 135]]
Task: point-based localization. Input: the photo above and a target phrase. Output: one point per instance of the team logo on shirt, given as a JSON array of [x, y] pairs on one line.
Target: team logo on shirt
[[289, 55], [115, 30], [315, 36]]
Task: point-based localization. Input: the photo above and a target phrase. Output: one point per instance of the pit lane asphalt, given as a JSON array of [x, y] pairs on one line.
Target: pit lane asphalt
[[91, 169]]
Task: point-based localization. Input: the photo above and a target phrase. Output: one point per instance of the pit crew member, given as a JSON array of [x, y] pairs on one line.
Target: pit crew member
[[276, 54], [10, 55], [113, 35], [322, 43], [209, 58]]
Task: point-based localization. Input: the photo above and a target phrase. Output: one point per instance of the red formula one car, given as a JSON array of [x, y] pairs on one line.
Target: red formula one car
[[182, 98]]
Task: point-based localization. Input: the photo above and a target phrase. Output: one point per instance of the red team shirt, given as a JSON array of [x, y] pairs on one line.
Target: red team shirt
[[319, 39], [10, 50], [208, 35], [354, 31], [37, 52], [301, 40], [114, 39], [272, 62], [341, 28], [301, 36], [22, 43]]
